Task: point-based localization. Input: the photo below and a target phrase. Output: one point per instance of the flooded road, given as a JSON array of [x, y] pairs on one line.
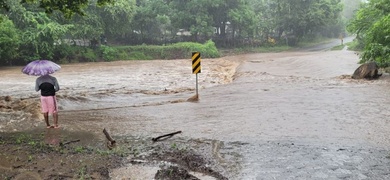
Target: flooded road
[[290, 115]]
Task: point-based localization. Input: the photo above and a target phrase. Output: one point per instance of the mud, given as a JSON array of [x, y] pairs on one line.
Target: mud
[[59, 154], [51, 154]]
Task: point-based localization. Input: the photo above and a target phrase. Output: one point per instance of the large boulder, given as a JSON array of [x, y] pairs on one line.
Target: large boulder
[[367, 71]]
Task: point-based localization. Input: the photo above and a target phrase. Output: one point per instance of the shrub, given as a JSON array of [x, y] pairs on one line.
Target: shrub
[[89, 55], [9, 41], [108, 53], [139, 56], [182, 50], [378, 53]]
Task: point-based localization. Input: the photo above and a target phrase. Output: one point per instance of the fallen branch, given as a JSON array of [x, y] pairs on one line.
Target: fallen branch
[[112, 141], [61, 176], [165, 135], [65, 143]]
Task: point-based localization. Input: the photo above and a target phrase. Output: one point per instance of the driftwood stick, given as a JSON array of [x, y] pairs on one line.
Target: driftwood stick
[[112, 141], [73, 141], [165, 135]]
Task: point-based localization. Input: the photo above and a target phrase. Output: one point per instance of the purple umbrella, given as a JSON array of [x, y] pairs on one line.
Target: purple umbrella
[[40, 68]]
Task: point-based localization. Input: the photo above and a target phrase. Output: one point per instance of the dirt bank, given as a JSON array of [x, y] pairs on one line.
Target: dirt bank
[[50, 154]]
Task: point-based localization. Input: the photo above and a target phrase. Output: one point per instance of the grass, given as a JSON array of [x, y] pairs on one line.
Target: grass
[[277, 48], [244, 50], [316, 41], [79, 149], [337, 48], [83, 173], [354, 46]]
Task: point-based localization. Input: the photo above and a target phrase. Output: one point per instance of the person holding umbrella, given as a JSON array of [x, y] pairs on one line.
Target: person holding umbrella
[[48, 85]]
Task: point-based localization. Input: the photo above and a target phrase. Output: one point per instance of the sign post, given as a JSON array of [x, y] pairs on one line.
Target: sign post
[[196, 67]]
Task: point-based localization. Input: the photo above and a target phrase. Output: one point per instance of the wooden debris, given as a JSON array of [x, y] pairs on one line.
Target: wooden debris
[[111, 142], [65, 143], [166, 136]]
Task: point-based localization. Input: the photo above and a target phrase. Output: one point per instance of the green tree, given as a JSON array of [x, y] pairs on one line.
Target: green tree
[[86, 29], [38, 34], [304, 17], [9, 41], [112, 20], [151, 21], [244, 20], [363, 21], [350, 7], [195, 17], [67, 7], [372, 28], [117, 17]]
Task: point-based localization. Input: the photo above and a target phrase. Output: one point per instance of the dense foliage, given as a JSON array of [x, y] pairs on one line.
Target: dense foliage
[[148, 52], [372, 28], [63, 30], [67, 7]]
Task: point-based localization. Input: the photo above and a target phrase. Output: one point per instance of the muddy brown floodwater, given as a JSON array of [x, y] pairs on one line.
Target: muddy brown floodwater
[[289, 115]]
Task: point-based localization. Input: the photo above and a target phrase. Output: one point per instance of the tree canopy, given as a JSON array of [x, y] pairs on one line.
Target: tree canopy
[[67, 7], [371, 25], [42, 27]]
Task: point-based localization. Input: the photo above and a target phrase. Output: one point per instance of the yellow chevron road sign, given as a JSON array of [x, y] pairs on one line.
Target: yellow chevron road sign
[[196, 62]]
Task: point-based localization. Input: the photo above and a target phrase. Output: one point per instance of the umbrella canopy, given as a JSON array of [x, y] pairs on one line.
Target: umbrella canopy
[[40, 68]]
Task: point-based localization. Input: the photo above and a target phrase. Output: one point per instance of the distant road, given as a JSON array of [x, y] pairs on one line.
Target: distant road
[[329, 45]]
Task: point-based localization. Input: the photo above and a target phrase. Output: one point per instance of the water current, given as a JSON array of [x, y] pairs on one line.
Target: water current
[[288, 115]]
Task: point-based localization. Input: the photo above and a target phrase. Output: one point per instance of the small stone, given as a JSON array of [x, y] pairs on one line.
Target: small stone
[[7, 98]]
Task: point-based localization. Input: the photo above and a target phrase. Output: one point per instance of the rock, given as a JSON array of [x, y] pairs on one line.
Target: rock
[[173, 172], [7, 98], [367, 71]]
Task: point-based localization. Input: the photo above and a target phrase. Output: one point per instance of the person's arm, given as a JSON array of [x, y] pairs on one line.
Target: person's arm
[[37, 85], [56, 85]]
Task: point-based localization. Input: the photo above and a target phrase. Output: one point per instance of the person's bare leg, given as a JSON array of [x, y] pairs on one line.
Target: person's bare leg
[[55, 118], [46, 116]]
